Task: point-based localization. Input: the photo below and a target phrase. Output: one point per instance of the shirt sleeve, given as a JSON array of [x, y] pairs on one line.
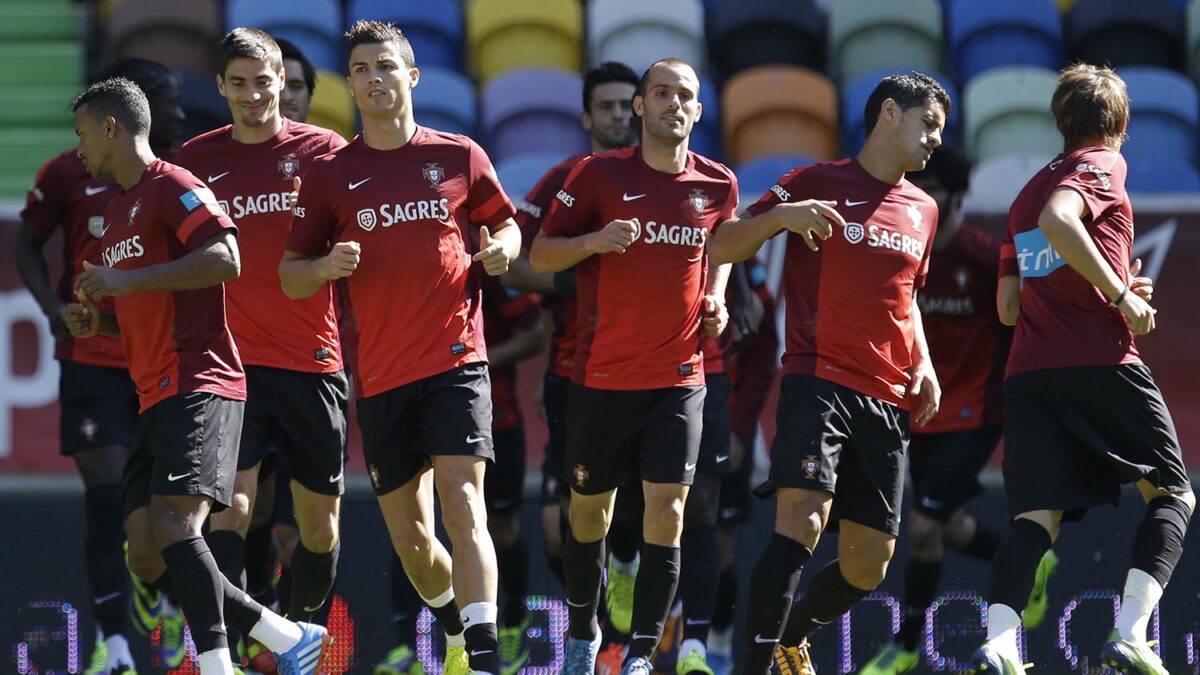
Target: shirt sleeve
[[191, 209], [572, 211], [486, 202], [533, 209], [786, 189], [1099, 179], [334, 141], [46, 204], [313, 219], [729, 208], [931, 217], [1008, 256]]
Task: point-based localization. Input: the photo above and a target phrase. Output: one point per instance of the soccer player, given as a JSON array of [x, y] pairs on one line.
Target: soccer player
[[1082, 415], [855, 363], [389, 214], [297, 394], [631, 220], [300, 82], [167, 250], [99, 401]]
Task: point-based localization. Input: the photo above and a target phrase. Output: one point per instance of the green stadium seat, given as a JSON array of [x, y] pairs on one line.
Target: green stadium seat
[[37, 106], [25, 150], [25, 21], [41, 63], [1007, 112], [504, 36], [870, 35]]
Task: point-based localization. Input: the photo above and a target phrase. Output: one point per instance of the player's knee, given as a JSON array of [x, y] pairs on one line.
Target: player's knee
[[504, 528], [800, 520], [868, 567], [320, 537], [413, 544], [588, 522], [925, 535], [663, 522], [145, 561], [463, 510]]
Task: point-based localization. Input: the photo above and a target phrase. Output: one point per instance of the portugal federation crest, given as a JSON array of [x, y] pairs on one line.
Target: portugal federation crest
[[134, 211], [810, 466], [289, 165], [434, 173], [581, 475], [699, 201]]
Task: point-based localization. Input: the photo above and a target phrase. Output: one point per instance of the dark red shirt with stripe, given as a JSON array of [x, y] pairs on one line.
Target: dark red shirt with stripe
[[639, 311], [849, 304], [563, 309], [178, 342], [506, 314], [414, 301]]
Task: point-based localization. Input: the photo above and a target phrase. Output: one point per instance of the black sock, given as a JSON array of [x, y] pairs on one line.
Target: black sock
[[920, 586], [513, 564], [166, 585], [1015, 564], [699, 575], [229, 550], [582, 566], [624, 542], [984, 544], [105, 556], [406, 605], [261, 565], [312, 579], [483, 647], [829, 596], [555, 563], [284, 589], [727, 593], [201, 588], [772, 588], [1159, 541], [448, 617], [653, 593]]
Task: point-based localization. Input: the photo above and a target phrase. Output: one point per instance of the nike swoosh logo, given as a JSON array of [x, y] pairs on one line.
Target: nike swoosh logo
[[853, 203], [310, 610], [111, 596], [696, 622], [689, 467], [475, 439], [334, 479], [213, 179], [576, 604], [628, 197], [477, 652], [643, 636], [763, 641], [720, 458], [354, 185], [89, 191], [172, 477]]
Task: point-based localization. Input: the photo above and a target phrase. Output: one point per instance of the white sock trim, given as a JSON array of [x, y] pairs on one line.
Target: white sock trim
[[1003, 624], [275, 632], [215, 662], [692, 645], [478, 613], [456, 640], [1141, 596], [444, 598]]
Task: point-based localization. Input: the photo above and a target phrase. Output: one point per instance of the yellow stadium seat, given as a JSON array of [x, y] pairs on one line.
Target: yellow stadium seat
[[504, 35], [1065, 6], [332, 105], [773, 110], [1007, 112], [870, 35]]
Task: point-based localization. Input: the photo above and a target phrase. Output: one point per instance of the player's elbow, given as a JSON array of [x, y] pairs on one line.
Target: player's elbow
[[227, 264], [539, 258], [1053, 221], [1008, 300], [1008, 314], [721, 252]]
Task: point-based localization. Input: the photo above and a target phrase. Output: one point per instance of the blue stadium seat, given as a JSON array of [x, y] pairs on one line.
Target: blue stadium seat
[[315, 26], [706, 136], [747, 33], [758, 175], [445, 100], [985, 35], [533, 110], [203, 105], [519, 173], [639, 33], [1165, 174], [854, 104], [1165, 114], [433, 27], [1126, 33]]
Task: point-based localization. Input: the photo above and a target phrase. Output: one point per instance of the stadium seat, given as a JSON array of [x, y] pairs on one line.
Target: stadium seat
[[1007, 112], [504, 36], [867, 35], [27, 21], [854, 105], [639, 33], [1193, 40], [433, 27], [706, 136], [1164, 114], [315, 26], [180, 35], [25, 150], [519, 173], [758, 175], [333, 106], [763, 113], [985, 35], [1163, 174], [203, 105], [445, 100], [1126, 33], [995, 183], [41, 63], [45, 106], [747, 33], [1064, 6], [533, 110]]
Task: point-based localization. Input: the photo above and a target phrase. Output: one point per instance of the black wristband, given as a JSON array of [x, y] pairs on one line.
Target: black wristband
[[1117, 302]]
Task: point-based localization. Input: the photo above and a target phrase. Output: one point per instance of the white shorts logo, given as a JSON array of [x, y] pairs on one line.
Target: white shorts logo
[[854, 232], [367, 219]]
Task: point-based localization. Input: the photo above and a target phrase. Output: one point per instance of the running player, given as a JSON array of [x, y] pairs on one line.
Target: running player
[[389, 214], [855, 362], [99, 401], [167, 250], [630, 220], [296, 392], [1082, 415]]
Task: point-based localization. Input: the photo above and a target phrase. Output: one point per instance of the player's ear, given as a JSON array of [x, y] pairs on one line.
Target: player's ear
[[639, 105], [110, 126], [220, 84], [414, 76], [699, 111], [586, 120]]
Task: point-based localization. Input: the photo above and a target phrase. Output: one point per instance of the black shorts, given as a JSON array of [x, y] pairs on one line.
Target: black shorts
[[717, 432], [611, 434], [1074, 436], [303, 415], [554, 396], [945, 469], [830, 437], [185, 445], [504, 482], [445, 414], [736, 507], [99, 407]]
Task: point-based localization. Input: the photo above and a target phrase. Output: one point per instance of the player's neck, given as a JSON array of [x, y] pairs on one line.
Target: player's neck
[[388, 133], [660, 156], [880, 164], [244, 133], [131, 163], [1091, 142]]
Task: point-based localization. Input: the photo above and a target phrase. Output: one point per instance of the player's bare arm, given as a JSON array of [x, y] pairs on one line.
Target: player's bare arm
[[555, 254], [1008, 299], [216, 261], [520, 275], [300, 276], [31, 265], [739, 238], [498, 249], [1062, 222], [924, 380], [716, 313]]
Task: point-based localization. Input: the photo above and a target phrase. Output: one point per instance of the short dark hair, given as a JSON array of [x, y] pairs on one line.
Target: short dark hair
[[366, 32], [669, 61], [291, 52], [908, 91], [606, 73], [151, 76], [948, 167], [1090, 102], [247, 43], [120, 98]]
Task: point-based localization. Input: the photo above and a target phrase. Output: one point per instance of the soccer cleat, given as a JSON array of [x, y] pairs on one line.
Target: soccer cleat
[[793, 660], [721, 664], [637, 666], [581, 656], [618, 596], [609, 661], [991, 661], [692, 664], [457, 661], [172, 648], [308, 655], [400, 661], [99, 658], [260, 659], [1131, 658], [891, 660], [146, 608], [124, 670], [514, 652], [1039, 599]]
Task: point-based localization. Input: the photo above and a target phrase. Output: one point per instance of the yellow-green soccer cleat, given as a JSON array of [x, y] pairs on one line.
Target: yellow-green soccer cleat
[[692, 664], [172, 648], [991, 661], [1131, 658], [457, 662], [618, 597], [99, 658], [400, 661], [1039, 599], [514, 648], [891, 660], [146, 609]]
